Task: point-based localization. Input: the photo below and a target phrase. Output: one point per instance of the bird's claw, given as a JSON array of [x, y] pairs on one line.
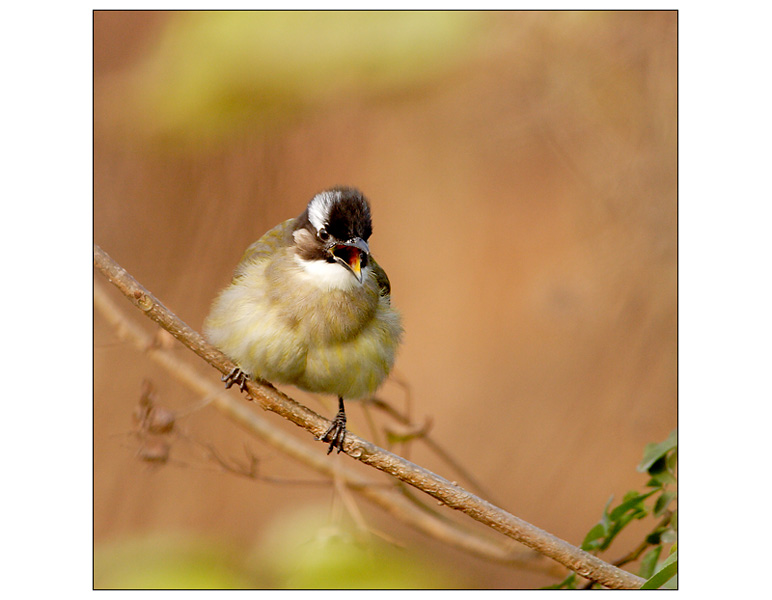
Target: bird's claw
[[237, 377], [336, 434]]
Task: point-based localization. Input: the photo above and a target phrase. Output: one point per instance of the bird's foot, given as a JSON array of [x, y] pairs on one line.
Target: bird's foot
[[236, 377], [336, 434]]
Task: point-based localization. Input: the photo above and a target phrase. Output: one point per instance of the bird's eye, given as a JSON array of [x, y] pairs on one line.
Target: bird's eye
[[323, 235]]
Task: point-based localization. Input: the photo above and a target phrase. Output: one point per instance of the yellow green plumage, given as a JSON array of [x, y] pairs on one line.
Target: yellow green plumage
[[278, 323]]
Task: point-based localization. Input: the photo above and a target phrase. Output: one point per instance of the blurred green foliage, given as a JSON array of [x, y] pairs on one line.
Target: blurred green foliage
[[301, 550], [214, 71], [166, 561]]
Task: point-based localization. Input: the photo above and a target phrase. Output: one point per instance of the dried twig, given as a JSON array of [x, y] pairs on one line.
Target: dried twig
[[447, 493], [394, 502]]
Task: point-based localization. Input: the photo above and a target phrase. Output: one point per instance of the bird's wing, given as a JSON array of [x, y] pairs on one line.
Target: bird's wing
[[278, 237], [384, 286]]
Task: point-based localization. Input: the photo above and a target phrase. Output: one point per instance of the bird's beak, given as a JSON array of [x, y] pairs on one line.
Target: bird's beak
[[352, 254]]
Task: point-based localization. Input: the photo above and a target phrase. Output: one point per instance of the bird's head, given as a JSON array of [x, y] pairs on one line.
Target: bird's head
[[331, 237]]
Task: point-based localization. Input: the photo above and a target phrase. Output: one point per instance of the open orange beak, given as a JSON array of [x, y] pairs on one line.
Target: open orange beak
[[353, 255]]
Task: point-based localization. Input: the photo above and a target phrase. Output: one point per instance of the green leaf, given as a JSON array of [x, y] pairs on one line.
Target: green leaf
[[672, 460], [649, 562], [633, 502], [655, 537], [658, 466], [667, 570], [661, 479], [654, 452], [598, 531], [618, 526], [591, 540], [663, 502], [669, 536], [401, 438]]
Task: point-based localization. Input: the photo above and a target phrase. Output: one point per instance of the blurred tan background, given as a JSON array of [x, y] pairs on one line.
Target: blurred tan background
[[522, 170]]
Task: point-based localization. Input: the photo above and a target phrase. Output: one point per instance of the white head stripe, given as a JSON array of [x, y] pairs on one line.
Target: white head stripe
[[319, 208]]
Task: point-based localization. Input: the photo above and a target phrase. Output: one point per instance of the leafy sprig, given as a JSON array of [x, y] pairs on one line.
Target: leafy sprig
[[660, 461]]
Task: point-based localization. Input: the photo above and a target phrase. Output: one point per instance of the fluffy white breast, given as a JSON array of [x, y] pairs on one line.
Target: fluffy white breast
[[328, 275]]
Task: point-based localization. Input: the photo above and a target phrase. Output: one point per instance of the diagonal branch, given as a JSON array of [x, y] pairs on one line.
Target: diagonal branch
[[391, 500], [447, 493]]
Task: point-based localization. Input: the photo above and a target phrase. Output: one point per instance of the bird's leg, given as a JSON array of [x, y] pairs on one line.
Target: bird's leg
[[236, 376], [336, 434]]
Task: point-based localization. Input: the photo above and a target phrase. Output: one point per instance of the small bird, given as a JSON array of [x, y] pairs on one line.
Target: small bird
[[309, 306]]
